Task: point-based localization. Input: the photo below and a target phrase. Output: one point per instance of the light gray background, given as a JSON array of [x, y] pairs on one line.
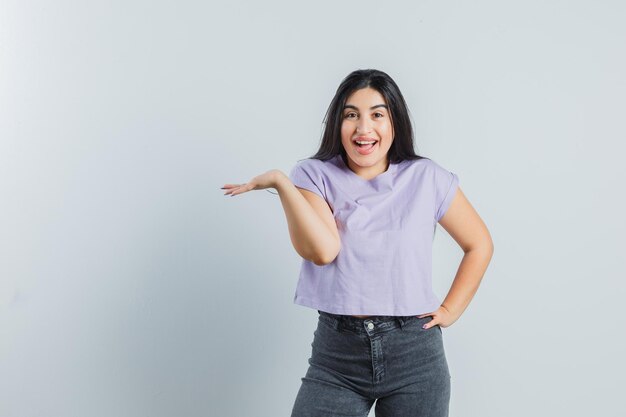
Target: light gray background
[[130, 286]]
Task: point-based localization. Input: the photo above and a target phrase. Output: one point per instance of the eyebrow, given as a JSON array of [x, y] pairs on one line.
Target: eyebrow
[[350, 106]]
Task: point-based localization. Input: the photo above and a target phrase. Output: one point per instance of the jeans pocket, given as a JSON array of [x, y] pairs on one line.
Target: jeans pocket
[[414, 323]]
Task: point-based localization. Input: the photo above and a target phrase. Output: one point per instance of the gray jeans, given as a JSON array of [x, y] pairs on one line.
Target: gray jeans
[[389, 360]]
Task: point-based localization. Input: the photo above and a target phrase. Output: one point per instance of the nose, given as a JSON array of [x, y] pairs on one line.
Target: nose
[[363, 126]]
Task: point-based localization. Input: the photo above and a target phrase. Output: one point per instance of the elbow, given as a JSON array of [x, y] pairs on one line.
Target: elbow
[[321, 261], [486, 248], [481, 244], [327, 256], [490, 246]]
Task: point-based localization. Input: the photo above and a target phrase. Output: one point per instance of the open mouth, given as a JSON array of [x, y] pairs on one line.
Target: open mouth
[[365, 146]]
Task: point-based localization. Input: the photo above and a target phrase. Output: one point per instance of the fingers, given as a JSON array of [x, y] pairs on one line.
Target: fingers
[[226, 186], [234, 189], [238, 190], [429, 324]]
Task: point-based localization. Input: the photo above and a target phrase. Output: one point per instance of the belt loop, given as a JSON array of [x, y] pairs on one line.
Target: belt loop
[[338, 323], [402, 321]]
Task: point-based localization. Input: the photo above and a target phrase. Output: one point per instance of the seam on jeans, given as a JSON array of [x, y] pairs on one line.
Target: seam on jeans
[[410, 321], [331, 323]]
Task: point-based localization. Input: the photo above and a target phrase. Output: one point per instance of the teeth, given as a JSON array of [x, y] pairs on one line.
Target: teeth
[[363, 143]]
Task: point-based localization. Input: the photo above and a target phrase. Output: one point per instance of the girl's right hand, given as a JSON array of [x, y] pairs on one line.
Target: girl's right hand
[[260, 182]]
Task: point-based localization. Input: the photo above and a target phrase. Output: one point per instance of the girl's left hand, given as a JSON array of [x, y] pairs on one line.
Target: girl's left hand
[[442, 317]]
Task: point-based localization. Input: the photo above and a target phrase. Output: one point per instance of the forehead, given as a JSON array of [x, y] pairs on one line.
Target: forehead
[[365, 98]]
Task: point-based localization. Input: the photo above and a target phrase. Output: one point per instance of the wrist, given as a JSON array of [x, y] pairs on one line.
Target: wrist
[[280, 180]]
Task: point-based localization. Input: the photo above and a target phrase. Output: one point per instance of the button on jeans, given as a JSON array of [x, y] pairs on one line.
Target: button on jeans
[[388, 360]]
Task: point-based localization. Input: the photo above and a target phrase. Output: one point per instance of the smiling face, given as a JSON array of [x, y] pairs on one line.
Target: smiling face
[[366, 118]]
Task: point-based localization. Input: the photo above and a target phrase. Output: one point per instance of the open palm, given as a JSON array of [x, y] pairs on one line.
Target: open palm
[[260, 182]]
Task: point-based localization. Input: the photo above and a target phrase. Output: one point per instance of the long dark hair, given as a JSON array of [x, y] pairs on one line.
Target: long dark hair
[[402, 147]]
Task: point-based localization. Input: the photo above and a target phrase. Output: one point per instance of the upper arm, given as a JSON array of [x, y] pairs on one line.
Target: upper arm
[[322, 208], [464, 224]]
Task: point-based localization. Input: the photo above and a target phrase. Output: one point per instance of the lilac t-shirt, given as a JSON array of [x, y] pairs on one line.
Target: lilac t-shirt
[[386, 226]]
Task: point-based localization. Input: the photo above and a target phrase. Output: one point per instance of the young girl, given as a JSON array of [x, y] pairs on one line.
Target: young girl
[[362, 214]]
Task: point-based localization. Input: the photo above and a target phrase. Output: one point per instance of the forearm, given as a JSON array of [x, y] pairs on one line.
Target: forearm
[[310, 236], [467, 280]]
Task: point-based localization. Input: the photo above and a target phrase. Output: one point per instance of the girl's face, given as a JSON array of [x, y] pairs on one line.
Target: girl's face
[[366, 118]]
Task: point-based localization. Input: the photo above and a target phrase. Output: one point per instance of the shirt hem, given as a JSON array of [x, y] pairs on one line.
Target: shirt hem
[[346, 310]]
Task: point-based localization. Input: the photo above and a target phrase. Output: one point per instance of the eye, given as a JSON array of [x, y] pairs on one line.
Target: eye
[[379, 113], [347, 115]]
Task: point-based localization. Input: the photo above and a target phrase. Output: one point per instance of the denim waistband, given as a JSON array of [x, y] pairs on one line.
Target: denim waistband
[[360, 325]]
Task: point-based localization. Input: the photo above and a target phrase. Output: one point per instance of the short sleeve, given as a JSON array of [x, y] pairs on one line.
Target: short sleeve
[[446, 184], [306, 175]]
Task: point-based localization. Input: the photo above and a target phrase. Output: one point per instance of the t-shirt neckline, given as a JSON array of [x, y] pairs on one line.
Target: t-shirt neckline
[[390, 170]]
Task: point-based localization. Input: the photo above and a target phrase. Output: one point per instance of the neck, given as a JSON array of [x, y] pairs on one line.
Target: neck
[[368, 172]]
